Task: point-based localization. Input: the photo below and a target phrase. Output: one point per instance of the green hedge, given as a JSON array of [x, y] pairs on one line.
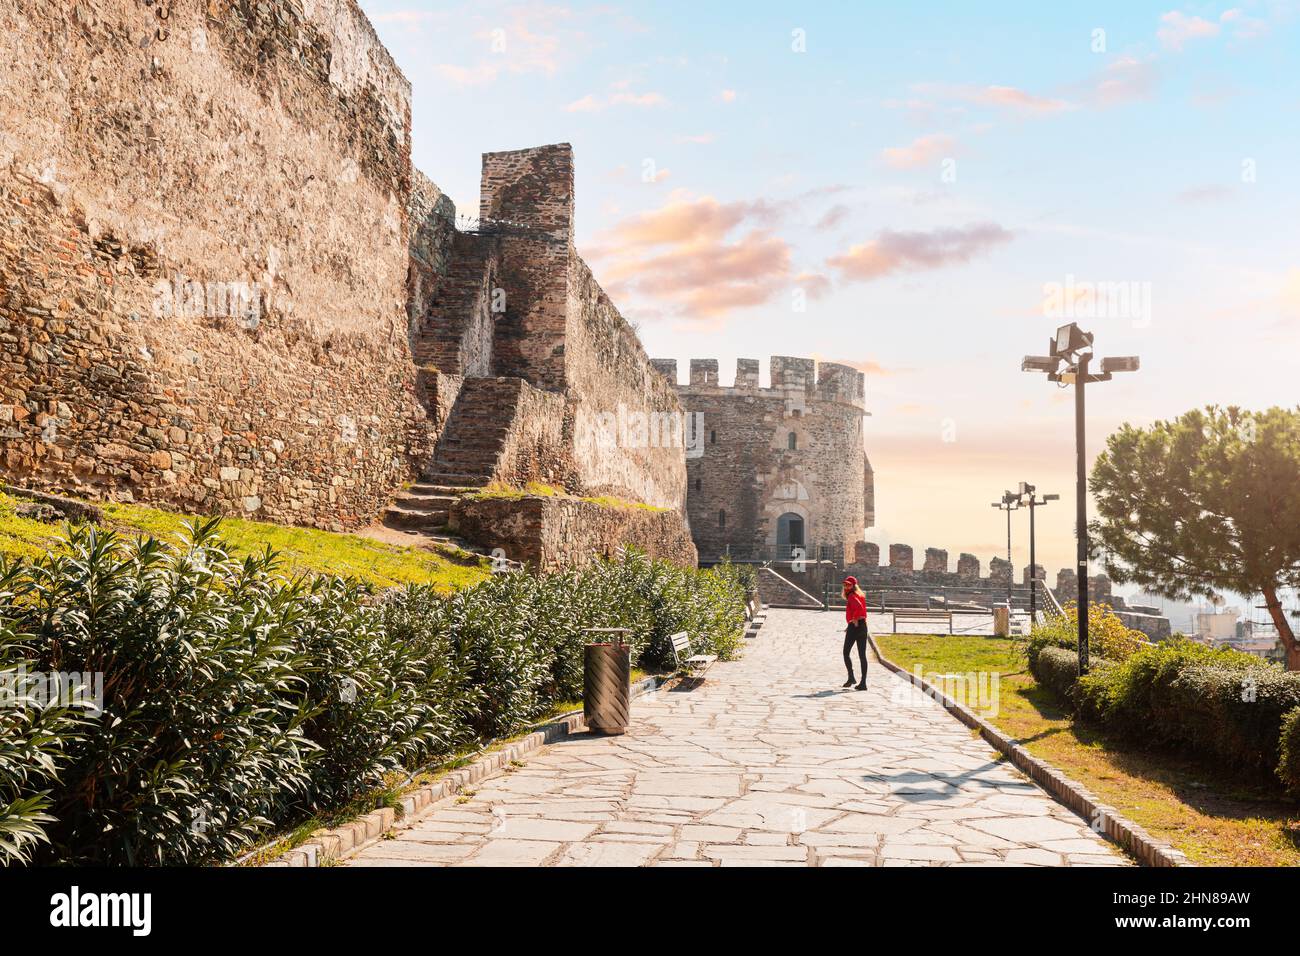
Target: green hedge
[[1288, 763], [1057, 669], [237, 701], [1222, 704]]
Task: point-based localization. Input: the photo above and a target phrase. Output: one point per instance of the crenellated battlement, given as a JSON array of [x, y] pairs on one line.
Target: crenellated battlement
[[790, 375]]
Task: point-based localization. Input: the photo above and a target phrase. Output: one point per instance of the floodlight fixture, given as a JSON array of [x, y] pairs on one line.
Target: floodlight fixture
[[1119, 363]]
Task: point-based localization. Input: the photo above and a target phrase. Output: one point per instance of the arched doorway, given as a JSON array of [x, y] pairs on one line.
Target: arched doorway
[[789, 534]]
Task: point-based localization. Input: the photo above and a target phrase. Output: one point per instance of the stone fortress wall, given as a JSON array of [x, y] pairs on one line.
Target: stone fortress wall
[[966, 585], [745, 470], [204, 257], [223, 286]]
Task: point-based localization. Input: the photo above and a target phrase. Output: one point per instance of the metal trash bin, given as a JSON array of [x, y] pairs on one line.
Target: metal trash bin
[[607, 682], [1001, 620]]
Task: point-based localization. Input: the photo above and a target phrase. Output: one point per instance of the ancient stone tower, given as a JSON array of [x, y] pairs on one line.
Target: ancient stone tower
[[774, 470]]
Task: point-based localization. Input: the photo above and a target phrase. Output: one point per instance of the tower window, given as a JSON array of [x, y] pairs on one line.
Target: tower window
[[697, 484], [792, 441], [713, 437], [722, 519]]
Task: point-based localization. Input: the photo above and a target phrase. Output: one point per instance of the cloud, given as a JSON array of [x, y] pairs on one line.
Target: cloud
[[924, 151], [891, 252], [1124, 80], [1176, 29], [832, 217], [1007, 98], [529, 38], [702, 258], [1245, 27], [814, 284], [686, 220], [587, 104], [698, 139], [592, 103]]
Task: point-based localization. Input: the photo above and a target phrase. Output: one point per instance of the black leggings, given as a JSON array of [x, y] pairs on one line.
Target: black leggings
[[856, 633]]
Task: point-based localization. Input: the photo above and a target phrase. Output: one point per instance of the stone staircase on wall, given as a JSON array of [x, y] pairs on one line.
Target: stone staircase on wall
[[471, 446], [776, 591], [461, 294], [467, 457]]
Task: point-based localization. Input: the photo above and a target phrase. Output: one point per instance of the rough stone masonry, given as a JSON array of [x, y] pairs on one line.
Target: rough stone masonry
[[223, 286], [780, 468], [204, 256]]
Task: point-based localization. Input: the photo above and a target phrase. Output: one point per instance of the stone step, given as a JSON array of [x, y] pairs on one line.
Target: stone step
[[451, 491], [412, 507], [468, 464], [456, 479], [395, 516], [429, 494]]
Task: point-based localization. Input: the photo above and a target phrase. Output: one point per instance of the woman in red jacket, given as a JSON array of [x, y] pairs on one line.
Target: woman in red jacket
[[855, 612]]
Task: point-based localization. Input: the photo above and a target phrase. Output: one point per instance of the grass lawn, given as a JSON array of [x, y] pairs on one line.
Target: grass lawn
[[1215, 817], [303, 549]]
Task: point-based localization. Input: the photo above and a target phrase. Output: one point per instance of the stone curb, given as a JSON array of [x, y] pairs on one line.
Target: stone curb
[[1119, 830], [339, 843]]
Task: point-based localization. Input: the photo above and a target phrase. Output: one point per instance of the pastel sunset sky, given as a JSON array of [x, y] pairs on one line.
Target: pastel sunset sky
[[918, 189]]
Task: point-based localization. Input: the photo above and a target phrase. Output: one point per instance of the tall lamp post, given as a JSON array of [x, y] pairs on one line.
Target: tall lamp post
[[1066, 363], [1009, 503], [1027, 491]]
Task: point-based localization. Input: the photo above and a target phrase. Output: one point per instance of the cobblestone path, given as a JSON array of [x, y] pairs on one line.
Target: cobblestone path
[[768, 763]]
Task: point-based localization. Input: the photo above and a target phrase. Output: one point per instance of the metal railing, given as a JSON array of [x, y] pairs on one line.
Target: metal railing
[[780, 554], [484, 226], [1049, 606]]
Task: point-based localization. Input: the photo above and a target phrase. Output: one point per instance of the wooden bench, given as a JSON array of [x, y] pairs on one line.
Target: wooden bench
[[922, 616], [698, 662]]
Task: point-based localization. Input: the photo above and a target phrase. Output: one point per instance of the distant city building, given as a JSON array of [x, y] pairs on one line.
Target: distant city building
[[1217, 626]]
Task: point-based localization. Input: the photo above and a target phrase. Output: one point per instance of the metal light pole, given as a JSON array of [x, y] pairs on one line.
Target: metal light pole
[[1009, 503], [1027, 490], [1069, 353]]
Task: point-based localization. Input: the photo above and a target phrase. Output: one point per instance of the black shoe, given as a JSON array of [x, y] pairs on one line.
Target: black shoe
[[862, 685], [849, 682]]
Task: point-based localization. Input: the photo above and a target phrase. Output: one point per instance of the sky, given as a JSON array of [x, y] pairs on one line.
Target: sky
[[923, 190]]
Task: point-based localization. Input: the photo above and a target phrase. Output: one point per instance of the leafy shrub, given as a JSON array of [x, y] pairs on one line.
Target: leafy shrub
[[1288, 764], [236, 700], [200, 739], [1057, 669], [1108, 636], [1215, 702], [373, 702], [34, 737]]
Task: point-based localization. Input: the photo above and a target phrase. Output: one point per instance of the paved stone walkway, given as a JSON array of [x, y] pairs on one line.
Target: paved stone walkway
[[768, 763]]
